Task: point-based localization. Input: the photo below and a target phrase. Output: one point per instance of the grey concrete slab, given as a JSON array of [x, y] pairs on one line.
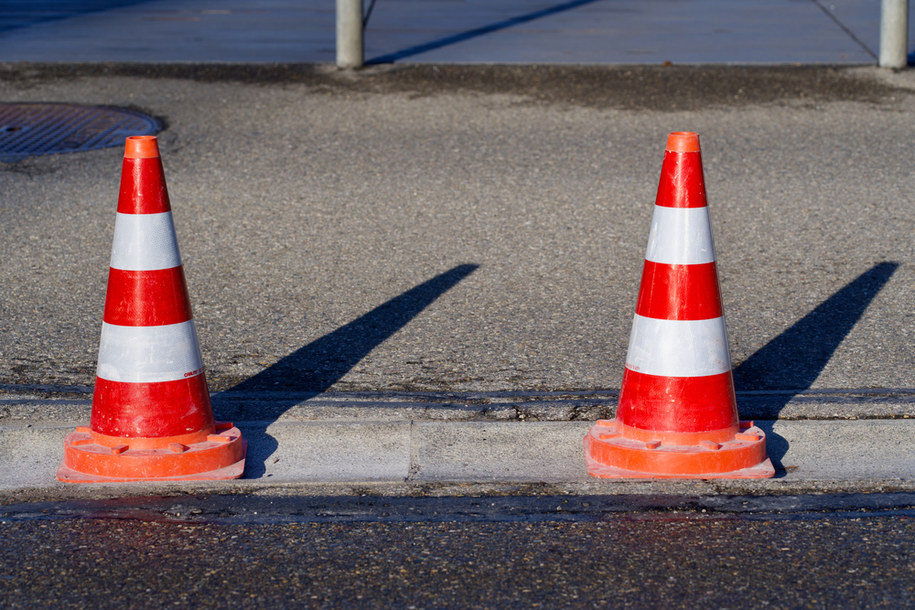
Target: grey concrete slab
[[808, 450], [328, 451], [278, 454], [827, 454], [30, 455], [446, 31], [491, 451], [848, 449]]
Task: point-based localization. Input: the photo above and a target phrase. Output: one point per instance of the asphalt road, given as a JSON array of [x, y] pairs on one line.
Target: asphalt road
[[473, 228], [453, 552]]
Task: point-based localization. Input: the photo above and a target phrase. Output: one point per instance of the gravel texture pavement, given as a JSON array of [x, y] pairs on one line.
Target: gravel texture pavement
[[474, 228]]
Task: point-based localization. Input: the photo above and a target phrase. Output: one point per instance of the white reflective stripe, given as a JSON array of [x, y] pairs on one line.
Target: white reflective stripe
[[678, 348], [680, 236], [146, 354], [144, 242]]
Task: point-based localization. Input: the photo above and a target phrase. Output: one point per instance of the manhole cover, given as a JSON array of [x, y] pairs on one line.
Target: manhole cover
[[44, 129]]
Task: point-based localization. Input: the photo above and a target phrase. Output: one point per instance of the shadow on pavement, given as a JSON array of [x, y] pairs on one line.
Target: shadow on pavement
[[24, 13], [792, 360], [474, 33], [795, 358], [314, 368]]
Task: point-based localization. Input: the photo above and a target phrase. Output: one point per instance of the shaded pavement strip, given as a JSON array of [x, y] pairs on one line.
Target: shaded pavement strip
[[49, 405], [257, 509]]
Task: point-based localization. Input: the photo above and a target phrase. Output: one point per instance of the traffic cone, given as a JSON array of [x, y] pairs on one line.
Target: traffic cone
[[151, 414], [677, 414]]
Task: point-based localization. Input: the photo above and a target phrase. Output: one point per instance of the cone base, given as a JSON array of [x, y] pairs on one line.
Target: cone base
[[66, 474], [764, 470], [734, 454], [92, 458]]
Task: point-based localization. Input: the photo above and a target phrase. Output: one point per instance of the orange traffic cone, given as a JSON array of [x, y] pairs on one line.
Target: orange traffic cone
[[151, 414], [677, 414]]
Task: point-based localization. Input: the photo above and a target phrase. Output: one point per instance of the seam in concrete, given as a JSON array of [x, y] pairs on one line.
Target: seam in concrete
[[415, 466], [845, 29]]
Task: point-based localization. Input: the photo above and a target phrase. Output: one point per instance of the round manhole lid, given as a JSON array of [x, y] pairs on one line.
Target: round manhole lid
[[42, 129]]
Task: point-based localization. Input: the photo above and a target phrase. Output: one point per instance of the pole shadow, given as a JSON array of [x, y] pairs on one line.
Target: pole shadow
[[314, 368], [476, 32], [794, 359]]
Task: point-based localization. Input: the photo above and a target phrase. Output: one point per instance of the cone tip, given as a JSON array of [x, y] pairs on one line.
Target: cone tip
[[683, 141], [141, 147]]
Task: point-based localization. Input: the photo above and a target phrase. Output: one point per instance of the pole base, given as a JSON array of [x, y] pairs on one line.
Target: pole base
[[90, 457], [612, 452]]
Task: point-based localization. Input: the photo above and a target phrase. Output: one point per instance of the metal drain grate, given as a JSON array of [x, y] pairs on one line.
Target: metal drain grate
[[43, 129]]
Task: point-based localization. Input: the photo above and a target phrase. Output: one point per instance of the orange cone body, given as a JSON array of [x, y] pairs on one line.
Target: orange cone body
[[151, 413], [677, 414]]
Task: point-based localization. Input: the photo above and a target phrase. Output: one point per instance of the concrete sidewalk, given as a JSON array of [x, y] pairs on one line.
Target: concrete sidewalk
[[444, 31], [391, 454]]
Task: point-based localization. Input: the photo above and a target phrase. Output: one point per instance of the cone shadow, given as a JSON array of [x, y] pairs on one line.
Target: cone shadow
[[794, 359], [314, 368]]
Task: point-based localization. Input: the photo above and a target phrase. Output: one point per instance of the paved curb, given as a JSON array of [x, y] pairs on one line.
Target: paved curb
[[408, 455]]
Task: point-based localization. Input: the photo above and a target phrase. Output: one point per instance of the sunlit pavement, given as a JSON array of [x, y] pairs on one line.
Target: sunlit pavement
[[443, 31]]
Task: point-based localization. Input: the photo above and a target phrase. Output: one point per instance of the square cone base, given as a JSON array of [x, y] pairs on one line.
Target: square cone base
[[765, 470], [610, 454], [217, 457]]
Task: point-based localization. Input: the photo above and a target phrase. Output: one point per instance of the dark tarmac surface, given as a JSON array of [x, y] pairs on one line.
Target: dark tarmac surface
[[470, 552]]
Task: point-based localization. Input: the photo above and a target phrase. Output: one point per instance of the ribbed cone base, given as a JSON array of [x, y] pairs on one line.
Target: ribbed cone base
[[90, 457], [614, 450]]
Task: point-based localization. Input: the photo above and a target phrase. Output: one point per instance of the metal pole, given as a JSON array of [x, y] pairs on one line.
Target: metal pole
[[894, 29], [350, 49]]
